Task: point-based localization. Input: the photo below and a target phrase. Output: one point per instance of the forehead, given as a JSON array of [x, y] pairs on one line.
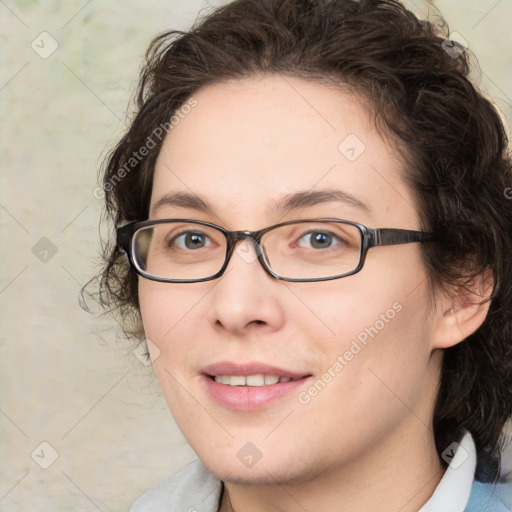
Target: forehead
[[248, 143]]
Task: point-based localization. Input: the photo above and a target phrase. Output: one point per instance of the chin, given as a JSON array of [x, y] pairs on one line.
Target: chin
[[263, 472]]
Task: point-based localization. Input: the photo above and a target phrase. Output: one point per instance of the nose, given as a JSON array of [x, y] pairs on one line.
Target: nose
[[245, 298]]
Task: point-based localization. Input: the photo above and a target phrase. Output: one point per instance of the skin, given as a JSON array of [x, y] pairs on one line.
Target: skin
[[243, 147]]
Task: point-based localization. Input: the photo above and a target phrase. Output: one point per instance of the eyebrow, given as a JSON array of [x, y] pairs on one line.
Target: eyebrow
[[183, 200], [309, 198], [290, 202]]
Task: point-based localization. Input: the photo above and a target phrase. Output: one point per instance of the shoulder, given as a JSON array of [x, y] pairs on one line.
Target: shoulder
[[488, 497], [193, 489]]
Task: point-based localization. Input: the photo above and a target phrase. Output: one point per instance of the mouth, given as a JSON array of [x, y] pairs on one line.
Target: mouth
[[258, 379], [251, 386]]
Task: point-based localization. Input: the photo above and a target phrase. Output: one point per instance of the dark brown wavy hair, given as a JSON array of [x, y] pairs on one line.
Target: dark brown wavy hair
[[451, 137]]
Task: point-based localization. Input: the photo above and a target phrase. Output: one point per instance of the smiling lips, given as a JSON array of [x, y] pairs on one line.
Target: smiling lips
[[250, 386], [250, 380]]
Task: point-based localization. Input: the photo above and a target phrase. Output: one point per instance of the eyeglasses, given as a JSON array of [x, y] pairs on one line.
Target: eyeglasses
[[190, 251]]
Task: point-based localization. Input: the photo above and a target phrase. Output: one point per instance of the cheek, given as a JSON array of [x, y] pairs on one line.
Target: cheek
[[392, 352], [362, 308], [375, 368], [366, 331], [167, 312], [164, 308]]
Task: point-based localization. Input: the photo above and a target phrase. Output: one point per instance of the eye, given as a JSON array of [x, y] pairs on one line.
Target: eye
[[190, 240], [319, 240]]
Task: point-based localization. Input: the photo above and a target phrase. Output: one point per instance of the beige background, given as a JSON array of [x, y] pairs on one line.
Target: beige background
[[65, 381]]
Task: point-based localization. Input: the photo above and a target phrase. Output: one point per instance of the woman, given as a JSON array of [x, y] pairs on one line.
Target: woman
[[315, 205]]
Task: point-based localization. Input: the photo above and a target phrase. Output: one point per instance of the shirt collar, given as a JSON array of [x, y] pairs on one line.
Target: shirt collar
[[452, 492]]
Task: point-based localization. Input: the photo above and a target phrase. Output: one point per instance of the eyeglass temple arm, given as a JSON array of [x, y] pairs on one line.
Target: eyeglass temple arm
[[388, 236], [123, 235]]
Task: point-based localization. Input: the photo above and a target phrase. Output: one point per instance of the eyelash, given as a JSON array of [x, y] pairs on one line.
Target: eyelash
[[309, 234]]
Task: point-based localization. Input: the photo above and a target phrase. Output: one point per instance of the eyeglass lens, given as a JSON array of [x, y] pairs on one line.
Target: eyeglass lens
[[303, 250]]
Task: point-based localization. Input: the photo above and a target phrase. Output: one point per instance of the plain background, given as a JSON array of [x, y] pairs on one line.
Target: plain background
[[65, 381]]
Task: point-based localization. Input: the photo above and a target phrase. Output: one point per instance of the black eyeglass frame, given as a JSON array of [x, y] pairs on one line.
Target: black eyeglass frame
[[369, 238]]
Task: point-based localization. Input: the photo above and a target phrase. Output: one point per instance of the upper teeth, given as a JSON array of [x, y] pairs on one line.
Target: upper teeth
[[250, 380]]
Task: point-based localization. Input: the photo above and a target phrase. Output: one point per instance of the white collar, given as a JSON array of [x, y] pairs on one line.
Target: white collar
[[452, 492]]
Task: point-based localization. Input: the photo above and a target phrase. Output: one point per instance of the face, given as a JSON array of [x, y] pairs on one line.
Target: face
[[360, 347]]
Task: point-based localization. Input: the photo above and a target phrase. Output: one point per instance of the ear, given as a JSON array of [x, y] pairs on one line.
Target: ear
[[463, 311]]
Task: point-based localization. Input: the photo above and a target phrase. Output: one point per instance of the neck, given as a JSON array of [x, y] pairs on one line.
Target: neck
[[375, 481]]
